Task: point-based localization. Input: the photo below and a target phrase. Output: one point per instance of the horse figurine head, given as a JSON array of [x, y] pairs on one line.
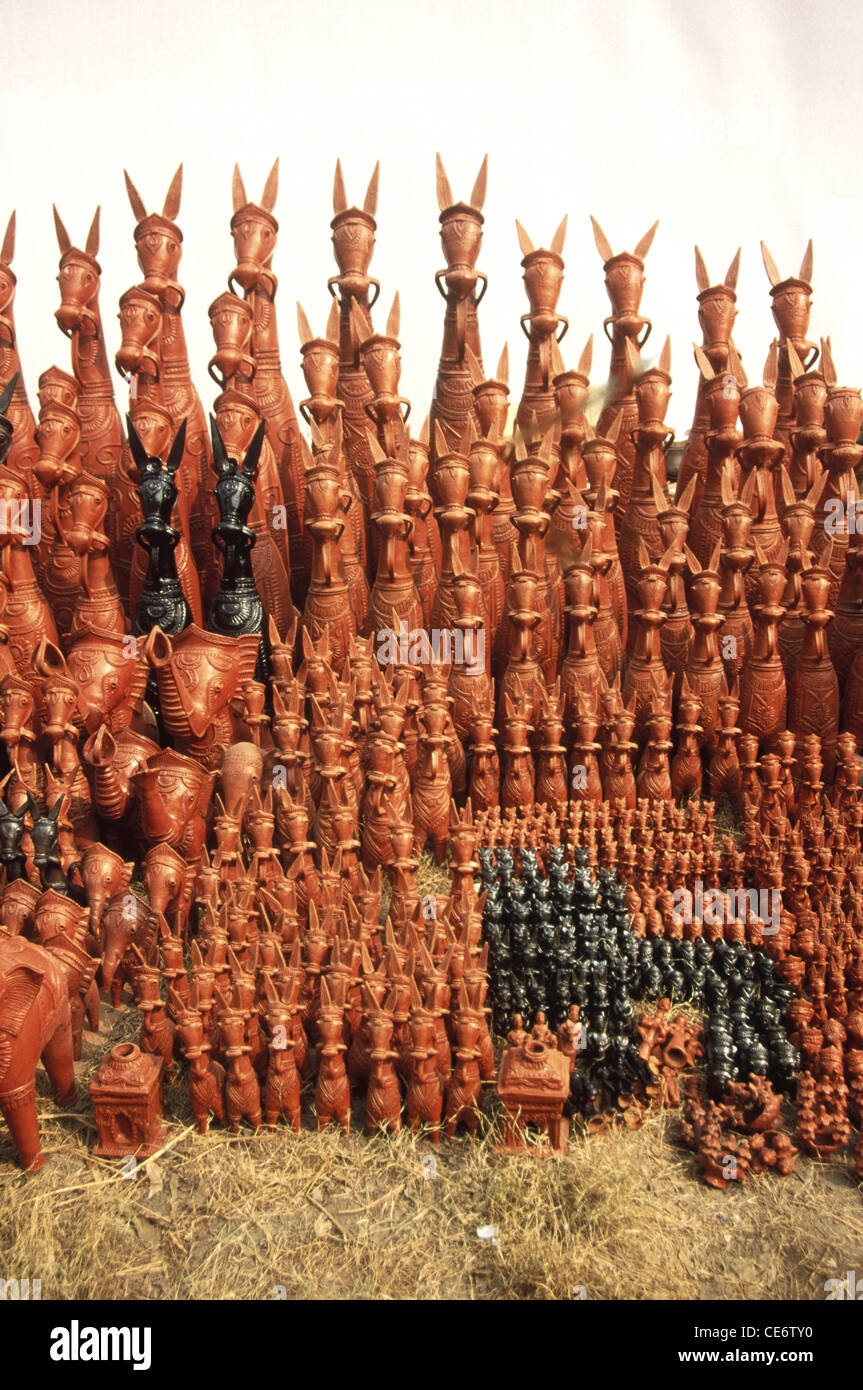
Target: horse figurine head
[[159, 242], [254, 229]]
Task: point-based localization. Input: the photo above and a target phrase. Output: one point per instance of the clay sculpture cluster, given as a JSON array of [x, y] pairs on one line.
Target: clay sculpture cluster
[[248, 667]]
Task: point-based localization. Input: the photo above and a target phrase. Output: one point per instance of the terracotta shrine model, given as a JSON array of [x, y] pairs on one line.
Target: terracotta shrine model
[[251, 672]]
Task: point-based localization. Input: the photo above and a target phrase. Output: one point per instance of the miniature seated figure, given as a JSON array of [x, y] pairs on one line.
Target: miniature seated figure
[[541, 1031], [517, 1035]]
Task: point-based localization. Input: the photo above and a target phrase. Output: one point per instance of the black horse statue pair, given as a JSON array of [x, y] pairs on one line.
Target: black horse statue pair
[[236, 608], [44, 830]]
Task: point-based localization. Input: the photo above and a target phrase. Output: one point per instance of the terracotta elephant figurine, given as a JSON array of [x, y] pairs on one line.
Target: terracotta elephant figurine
[[126, 921], [35, 1021], [104, 873]]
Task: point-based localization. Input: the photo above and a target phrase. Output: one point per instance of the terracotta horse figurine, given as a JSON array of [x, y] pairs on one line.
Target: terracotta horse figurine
[[158, 243], [624, 281], [716, 315], [254, 230], [461, 237], [353, 245], [24, 451], [791, 298], [543, 277], [78, 316]]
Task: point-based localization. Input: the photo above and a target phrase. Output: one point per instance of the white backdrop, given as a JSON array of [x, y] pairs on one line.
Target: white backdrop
[[729, 122]]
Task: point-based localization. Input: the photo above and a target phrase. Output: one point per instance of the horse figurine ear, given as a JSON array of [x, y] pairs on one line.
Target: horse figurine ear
[[789, 496], [526, 246], [271, 188], [646, 242], [238, 192], [445, 199], [685, 503], [477, 197], [172, 197], [797, 368], [805, 272], [253, 453], [502, 374], [64, 241], [702, 278], [7, 251], [771, 366], [559, 237], [139, 453], [732, 273], [370, 202], [175, 457], [220, 454], [770, 266], [603, 245], [135, 200], [6, 397], [340, 196], [703, 362], [92, 245]]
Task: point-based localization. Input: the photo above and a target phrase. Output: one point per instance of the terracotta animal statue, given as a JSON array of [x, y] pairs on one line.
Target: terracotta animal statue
[[35, 1022], [254, 229], [543, 278], [158, 244], [624, 282], [332, 1092], [126, 921], [353, 288], [459, 284], [80, 319], [716, 315], [22, 452], [206, 1077], [242, 1090], [463, 1096], [282, 1086]]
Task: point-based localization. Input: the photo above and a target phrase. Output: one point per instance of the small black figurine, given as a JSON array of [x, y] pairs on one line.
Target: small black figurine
[[161, 601], [237, 608], [45, 835]]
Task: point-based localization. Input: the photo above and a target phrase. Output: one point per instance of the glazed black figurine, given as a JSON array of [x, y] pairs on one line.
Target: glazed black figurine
[[12, 829], [237, 608], [162, 601], [45, 835], [5, 422]]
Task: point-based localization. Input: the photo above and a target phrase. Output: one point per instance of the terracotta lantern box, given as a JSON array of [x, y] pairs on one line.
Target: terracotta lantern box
[[533, 1083], [127, 1098]]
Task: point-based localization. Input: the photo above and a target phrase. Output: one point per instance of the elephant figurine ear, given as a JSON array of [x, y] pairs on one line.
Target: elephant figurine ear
[[175, 457], [253, 453], [21, 990]]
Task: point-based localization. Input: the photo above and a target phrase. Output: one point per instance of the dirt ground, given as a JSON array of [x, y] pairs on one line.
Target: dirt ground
[[623, 1216]]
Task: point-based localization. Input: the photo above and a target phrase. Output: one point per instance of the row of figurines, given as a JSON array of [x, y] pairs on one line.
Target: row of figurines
[[352, 374], [784, 888], [366, 750], [480, 484], [755, 604]]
